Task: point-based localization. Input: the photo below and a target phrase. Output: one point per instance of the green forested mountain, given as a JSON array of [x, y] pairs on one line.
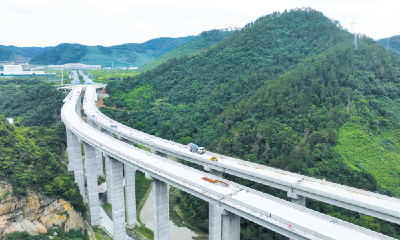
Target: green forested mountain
[[125, 55], [32, 152], [203, 41], [8, 55], [31, 104], [26, 52], [288, 91], [132, 54], [391, 43], [61, 54], [28, 157]]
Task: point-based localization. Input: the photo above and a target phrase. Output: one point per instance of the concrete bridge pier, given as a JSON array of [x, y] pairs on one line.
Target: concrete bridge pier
[[99, 162], [75, 161], [99, 156], [92, 186], [130, 196], [78, 107], [118, 201], [215, 213], [215, 221], [160, 209], [108, 132], [93, 124], [231, 226], [297, 199], [108, 178]]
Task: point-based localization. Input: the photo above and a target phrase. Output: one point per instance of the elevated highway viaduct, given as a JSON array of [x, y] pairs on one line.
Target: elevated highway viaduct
[[227, 199], [298, 187]]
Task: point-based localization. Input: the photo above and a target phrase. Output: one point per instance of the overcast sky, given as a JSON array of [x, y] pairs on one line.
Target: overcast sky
[[41, 23]]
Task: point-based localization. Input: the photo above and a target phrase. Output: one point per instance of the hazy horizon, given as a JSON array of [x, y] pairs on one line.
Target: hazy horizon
[[42, 23]]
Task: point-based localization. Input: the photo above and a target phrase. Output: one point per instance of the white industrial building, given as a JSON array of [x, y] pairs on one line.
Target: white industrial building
[[16, 70], [75, 66]]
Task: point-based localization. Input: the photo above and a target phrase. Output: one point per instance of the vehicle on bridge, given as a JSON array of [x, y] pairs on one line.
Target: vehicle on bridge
[[194, 148], [214, 158]]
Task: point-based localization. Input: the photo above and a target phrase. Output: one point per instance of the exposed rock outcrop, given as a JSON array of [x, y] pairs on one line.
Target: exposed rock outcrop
[[36, 212]]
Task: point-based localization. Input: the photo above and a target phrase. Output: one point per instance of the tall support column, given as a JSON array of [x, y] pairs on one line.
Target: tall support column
[[91, 123], [95, 125], [214, 227], [118, 205], [99, 163], [130, 195], [75, 160], [215, 212], [99, 157], [108, 178], [297, 199], [108, 132], [160, 210], [92, 186], [78, 107], [231, 226]]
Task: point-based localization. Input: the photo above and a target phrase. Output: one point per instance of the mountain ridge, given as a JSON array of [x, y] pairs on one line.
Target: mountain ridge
[[391, 43], [124, 55]]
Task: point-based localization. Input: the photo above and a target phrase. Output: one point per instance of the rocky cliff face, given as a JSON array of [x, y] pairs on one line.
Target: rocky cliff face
[[36, 212]]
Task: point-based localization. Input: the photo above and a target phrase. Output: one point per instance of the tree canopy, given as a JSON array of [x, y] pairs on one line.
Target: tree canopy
[[288, 91]]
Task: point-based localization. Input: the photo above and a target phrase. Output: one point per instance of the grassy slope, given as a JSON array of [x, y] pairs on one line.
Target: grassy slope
[[377, 154], [203, 41]]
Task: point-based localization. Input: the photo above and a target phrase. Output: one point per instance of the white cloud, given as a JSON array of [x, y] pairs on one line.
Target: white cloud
[[101, 22]]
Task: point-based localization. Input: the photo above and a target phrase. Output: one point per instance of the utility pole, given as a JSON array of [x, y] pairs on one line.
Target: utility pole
[[352, 30], [62, 77]]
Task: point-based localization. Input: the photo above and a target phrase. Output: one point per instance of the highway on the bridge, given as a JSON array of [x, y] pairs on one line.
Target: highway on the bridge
[[377, 205], [86, 78], [271, 212]]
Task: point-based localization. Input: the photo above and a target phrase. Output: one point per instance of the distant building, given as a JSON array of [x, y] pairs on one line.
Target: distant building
[[75, 66], [107, 68], [122, 68], [12, 69], [16, 70], [132, 68], [10, 120]]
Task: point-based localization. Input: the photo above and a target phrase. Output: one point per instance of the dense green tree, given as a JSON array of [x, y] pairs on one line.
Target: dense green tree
[[29, 159], [61, 54], [31, 105], [279, 92]]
